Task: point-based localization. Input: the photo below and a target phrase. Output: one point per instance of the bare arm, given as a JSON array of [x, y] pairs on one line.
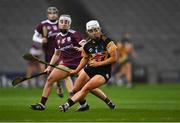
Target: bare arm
[[54, 59], [82, 63]]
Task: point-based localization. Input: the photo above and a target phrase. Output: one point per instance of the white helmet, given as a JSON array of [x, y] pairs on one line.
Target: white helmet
[[66, 17], [92, 24], [52, 9]]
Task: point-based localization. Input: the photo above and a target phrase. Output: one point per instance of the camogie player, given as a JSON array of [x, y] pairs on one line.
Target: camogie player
[[98, 54], [125, 51], [45, 34], [68, 43]]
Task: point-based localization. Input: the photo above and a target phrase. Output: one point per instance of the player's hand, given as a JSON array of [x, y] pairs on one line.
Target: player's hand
[[72, 72], [48, 69], [78, 48], [44, 40], [94, 63]]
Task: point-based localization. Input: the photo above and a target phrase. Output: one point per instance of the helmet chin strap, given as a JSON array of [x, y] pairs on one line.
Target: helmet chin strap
[[64, 31], [53, 20]]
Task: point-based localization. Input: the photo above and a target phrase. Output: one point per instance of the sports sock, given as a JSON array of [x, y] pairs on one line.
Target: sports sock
[[83, 103], [107, 100], [70, 102], [71, 94], [43, 100]]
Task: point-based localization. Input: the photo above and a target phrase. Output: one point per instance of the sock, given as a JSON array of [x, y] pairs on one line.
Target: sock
[[70, 102], [83, 103], [43, 100], [107, 100], [71, 94]]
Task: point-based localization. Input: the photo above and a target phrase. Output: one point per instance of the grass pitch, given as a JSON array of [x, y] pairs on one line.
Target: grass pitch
[[142, 103]]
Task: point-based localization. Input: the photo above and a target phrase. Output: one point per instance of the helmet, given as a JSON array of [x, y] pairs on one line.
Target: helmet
[[92, 24], [65, 17], [52, 10]]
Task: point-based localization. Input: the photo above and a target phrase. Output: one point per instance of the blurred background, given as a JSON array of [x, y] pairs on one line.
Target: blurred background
[[154, 26]]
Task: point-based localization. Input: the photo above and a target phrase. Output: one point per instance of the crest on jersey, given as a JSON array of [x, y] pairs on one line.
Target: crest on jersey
[[69, 39]]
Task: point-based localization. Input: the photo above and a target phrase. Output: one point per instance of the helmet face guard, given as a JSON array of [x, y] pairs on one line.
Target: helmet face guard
[[93, 29], [65, 21], [52, 10], [92, 24], [65, 17]]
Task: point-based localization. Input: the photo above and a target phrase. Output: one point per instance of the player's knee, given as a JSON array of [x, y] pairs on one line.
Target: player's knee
[[75, 90], [50, 81], [86, 89]]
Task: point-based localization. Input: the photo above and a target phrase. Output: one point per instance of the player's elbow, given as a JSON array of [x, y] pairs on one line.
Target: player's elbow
[[114, 57], [33, 38]]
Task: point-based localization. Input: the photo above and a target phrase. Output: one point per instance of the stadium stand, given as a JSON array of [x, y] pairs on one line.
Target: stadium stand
[[154, 26]]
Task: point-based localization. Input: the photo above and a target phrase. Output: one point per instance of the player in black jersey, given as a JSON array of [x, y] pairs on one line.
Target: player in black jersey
[[98, 54]]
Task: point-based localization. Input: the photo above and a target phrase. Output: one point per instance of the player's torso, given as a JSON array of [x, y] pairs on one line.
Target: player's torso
[[50, 26], [124, 49], [97, 50], [67, 43], [49, 29], [52, 31]]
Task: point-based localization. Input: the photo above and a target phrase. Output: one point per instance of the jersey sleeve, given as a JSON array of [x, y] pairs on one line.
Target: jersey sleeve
[[39, 28], [84, 52], [78, 37], [110, 45]]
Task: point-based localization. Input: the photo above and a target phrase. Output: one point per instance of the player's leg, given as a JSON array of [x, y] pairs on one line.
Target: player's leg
[[59, 88], [69, 85], [41, 79], [128, 74], [101, 95], [55, 75], [118, 77], [29, 72], [93, 83]]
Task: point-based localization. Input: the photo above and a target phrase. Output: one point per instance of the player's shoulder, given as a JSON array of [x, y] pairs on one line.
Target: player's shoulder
[[106, 38], [48, 22], [44, 21], [73, 31], [88, 42]]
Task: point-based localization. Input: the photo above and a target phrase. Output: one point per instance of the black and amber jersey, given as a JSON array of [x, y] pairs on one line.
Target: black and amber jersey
[[98, 49], [126, 47]]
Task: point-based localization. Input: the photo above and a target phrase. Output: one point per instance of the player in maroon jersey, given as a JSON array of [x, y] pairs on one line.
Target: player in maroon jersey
[[37, 51], [45, 34], [66, 43]]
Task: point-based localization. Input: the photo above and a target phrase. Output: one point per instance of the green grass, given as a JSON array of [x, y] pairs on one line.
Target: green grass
[[143, 103]]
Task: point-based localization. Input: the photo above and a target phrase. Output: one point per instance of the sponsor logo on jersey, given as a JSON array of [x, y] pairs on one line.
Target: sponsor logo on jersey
[[69, 39], [90, 50]]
